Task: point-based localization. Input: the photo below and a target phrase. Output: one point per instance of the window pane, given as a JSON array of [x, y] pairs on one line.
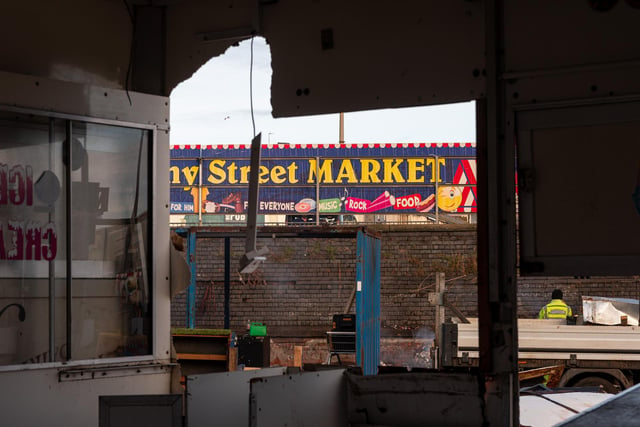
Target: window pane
[[110, 299], [32, 230], [110, 193]]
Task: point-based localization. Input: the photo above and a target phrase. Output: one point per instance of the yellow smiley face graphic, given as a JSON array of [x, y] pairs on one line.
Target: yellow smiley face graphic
[[449, 198]]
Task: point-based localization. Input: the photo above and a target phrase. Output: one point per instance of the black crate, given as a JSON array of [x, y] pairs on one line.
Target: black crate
[[344, 323], [341, 342], [254, 351]]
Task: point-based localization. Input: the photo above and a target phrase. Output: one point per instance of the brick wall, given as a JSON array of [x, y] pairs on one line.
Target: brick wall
[[533, 293], [303, 282], [306, 280]]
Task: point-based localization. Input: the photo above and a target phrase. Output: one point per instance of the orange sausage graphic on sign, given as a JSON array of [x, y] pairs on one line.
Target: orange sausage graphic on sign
[[427, 204]]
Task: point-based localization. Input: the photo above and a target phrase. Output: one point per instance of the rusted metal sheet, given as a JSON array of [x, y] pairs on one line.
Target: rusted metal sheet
[[299, 399], [549, 375], [415, 399]]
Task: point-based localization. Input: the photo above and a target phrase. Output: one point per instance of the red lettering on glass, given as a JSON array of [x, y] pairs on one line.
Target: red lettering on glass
[[49, 234], [18, 241], [4, 171], [29, 185], [3, 254], [16, 185], [32, 244]]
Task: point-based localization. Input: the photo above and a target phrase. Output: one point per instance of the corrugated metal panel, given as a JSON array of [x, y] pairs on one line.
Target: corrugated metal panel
[[368, 303]]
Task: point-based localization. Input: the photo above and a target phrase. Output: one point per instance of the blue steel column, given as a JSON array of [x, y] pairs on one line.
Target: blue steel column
[[376, 259], [191, 290], [368, 303]]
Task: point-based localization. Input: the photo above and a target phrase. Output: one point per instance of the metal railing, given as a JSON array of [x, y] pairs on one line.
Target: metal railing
[[239, 220]]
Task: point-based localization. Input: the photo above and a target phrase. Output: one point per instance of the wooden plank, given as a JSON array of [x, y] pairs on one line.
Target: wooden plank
[[297, 356], [201, 344], [233, 359], [226, 337], [196, 356], [553, 373]]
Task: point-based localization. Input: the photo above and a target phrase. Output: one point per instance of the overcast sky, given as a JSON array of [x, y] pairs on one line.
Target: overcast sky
[[213, 107]]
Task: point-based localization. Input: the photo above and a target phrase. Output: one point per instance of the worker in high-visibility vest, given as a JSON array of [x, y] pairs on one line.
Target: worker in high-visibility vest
[[556, 308]]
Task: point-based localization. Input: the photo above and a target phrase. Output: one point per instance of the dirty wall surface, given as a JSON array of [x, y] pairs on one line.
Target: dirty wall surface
[[306, 280]]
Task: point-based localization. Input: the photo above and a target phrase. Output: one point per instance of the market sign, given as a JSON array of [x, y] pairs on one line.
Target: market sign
[[380, 178]]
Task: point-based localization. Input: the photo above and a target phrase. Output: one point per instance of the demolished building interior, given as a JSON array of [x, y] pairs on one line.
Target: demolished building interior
[[532, 67]]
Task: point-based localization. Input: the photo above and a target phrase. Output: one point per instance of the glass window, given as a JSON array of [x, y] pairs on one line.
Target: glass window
[[90, 298]]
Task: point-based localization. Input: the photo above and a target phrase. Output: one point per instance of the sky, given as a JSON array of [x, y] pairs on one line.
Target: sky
[[213, 107]]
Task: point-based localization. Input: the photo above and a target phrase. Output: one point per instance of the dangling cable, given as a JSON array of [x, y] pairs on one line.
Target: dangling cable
[[253, 122], [131, 50]]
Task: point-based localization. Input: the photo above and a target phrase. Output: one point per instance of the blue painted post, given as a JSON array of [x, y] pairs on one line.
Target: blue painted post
[[191, 290], [368, 303]]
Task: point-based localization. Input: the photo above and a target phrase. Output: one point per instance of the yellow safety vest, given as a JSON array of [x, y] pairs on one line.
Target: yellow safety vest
[[556, 309]]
